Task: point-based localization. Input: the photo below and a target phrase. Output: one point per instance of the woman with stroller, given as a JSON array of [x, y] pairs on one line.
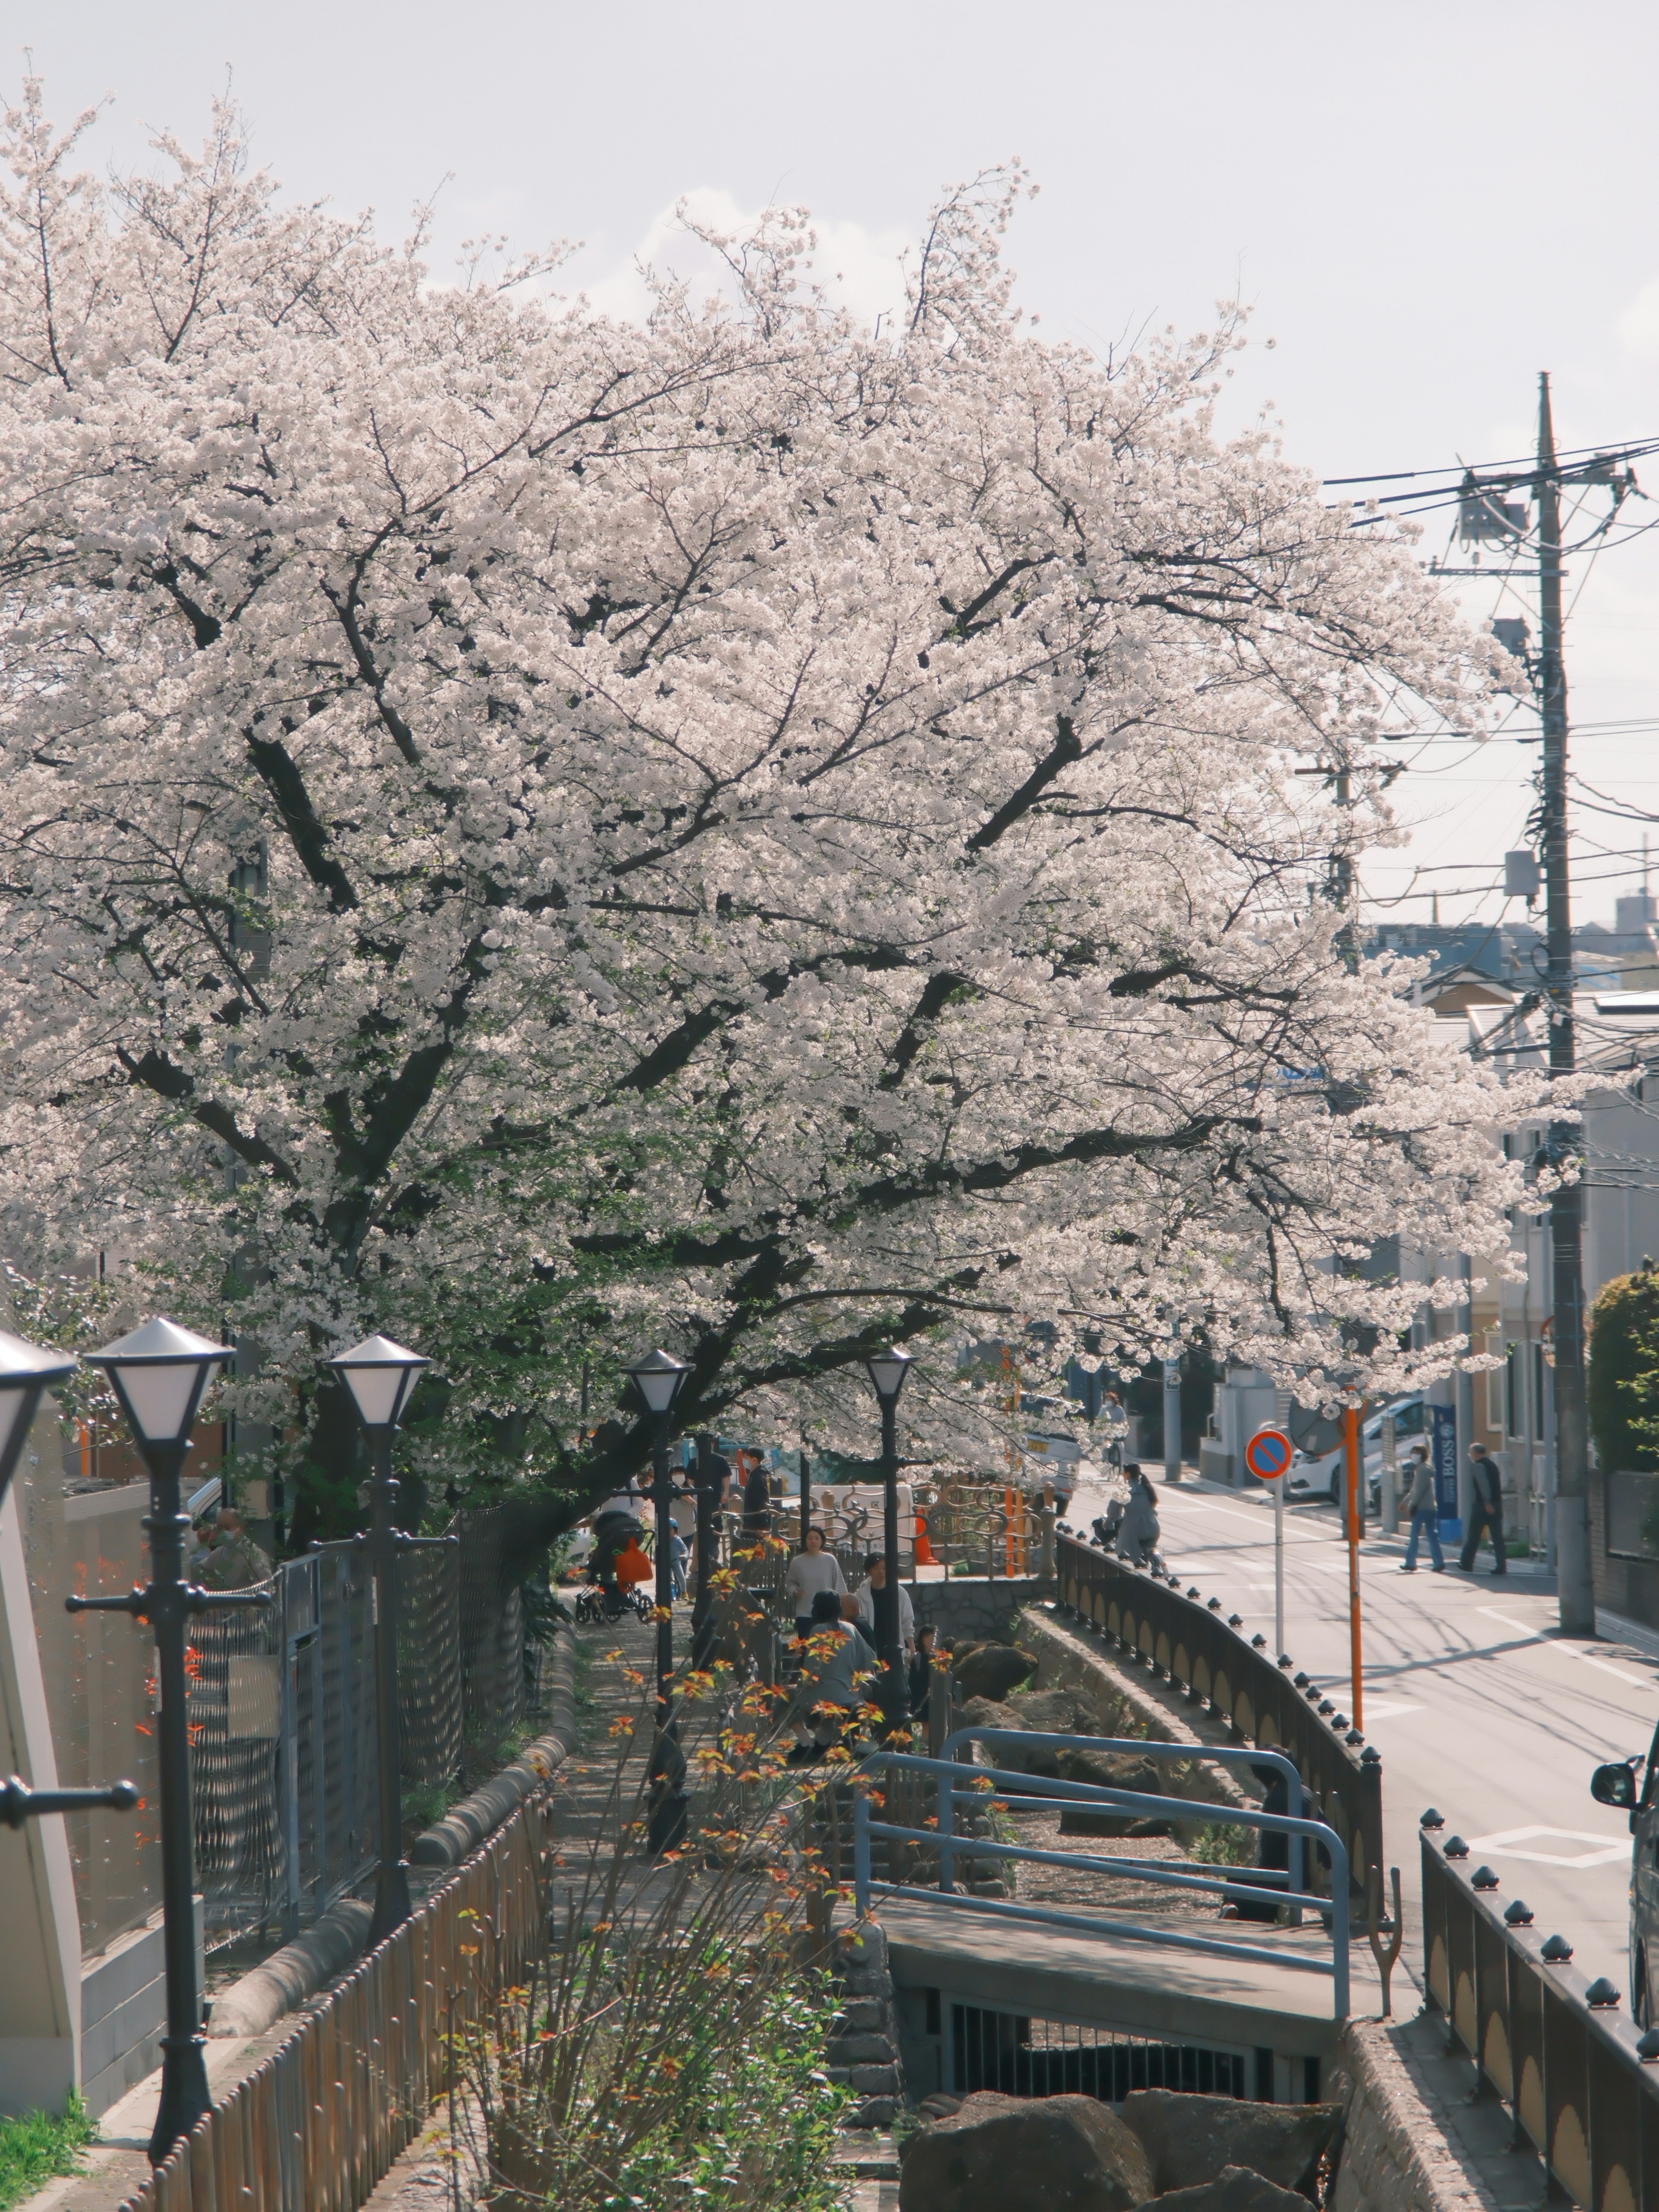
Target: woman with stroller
[[1138, 1531]]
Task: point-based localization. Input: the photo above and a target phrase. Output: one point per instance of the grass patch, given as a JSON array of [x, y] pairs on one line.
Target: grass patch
[[1218, 1844], [37, 2149]]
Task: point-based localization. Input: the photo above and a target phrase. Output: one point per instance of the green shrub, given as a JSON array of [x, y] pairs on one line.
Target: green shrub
[[1624, 1371], [37, 2148]]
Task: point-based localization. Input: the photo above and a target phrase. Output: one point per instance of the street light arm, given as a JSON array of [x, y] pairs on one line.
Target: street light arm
[[407, 1543], [134, 1602], [197, 1600], [18, 1802]]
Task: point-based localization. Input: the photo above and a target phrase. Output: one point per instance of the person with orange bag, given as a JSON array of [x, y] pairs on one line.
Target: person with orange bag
[[630, 1564]]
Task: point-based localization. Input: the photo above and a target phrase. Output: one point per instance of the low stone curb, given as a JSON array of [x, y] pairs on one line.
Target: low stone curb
[[1067, 1658], [268, 1991]]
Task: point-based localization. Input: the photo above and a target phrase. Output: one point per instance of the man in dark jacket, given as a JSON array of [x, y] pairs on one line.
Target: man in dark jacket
[[1486, 1511]]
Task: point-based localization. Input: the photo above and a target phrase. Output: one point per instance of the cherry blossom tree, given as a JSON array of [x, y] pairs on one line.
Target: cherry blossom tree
[[542, 835]]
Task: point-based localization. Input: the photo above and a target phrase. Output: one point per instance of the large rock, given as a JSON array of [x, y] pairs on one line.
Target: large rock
[[991, 1670], [1236, 2188], [1189, 2139], [1113, 1772], [1002, 2154], [1042, 1712]]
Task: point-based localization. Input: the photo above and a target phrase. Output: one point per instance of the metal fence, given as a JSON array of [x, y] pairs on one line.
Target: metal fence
[[1554, 2046], [321, 2120], [281, 1717], [1188, 1641]]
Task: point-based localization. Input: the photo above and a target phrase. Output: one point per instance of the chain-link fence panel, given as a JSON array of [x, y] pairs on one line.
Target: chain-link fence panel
[[492, 1630], [430, 1664]]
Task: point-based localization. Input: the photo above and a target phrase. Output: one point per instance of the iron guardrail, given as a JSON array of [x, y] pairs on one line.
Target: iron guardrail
[[1113, 1746], [1579, 2079], [1188, 1640], [946, 1775]]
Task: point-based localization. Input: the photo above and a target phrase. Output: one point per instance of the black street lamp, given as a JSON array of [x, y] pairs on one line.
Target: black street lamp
[[658, 1378], [27, 1371], [887, 1371], [381, 1377], [709, 1476], [158, 1373]]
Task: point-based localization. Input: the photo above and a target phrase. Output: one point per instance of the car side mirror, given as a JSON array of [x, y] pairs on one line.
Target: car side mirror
[[1616, 1784]]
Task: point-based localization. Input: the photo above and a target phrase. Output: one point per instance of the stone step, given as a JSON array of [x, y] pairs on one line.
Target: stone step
[[866, 2154]]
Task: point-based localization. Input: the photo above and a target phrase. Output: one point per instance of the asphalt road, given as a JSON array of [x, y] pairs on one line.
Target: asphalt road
[[1478, 1706]]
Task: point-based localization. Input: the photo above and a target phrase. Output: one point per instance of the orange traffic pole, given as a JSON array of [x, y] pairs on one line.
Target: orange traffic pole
[[1351, 1454]]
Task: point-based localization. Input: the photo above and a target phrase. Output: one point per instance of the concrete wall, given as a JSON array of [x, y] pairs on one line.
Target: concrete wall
[[39, 1927]]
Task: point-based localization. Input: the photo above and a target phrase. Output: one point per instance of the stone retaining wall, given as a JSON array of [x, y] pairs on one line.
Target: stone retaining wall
[[1397, 2154], [972, 1609]]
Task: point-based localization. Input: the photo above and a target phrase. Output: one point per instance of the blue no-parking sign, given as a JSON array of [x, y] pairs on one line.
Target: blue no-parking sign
[[1267, 1454]]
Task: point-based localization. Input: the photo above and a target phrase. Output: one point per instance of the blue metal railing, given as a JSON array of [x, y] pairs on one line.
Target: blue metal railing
[[946, 1775], [1139, 1748]]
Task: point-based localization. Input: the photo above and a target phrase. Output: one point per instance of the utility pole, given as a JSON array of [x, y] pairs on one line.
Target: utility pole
[[1577, 1599]]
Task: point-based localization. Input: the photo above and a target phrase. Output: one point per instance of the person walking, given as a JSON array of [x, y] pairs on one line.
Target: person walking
[[1425, 1510], [756, 1504], [1116, 1422], [676, 1560], [1487, 1512], [921, 1669], [812, 1569], [235, 1561], [1138, 1531], [876, 1579], [826, 1706]]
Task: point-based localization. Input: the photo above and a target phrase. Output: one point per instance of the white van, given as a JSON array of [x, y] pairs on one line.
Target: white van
[[1320, 1475]]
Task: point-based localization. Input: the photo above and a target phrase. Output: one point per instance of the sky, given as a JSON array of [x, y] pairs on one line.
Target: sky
[[1423, 205]]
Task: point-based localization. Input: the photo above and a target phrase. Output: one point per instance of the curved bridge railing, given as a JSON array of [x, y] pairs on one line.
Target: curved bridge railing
[[1187, 1640]]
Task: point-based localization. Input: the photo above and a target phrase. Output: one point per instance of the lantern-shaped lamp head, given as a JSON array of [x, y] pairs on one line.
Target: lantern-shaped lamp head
[[887, 1370], [381, 1377], [159, 1372], [26, 1371], [658, 1378]]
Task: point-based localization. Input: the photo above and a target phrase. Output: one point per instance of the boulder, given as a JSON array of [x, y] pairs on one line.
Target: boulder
[[995, 2153], [991, 1670], [1114, 1771], [1042, 1712], [1189, 2139], [1234, 2188]]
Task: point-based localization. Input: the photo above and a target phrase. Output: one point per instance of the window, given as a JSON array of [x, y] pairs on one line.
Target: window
[[1632, 1515]]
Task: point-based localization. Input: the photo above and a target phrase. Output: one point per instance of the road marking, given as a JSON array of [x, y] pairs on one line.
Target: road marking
[[1506, 1844], [1534, 1636], [1388, 1711]]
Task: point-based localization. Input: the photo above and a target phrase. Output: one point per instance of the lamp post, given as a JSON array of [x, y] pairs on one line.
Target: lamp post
[[710, 1480], [887, 1371], [159, 1372], [381, 1377], [27, 1371], [658, 1378]]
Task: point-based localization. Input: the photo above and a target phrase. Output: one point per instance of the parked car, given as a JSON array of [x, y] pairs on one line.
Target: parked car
[[1320, 1475], [1618, 1784]]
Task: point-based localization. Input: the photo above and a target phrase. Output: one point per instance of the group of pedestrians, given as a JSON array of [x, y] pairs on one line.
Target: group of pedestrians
[[838, 1632], [1485, 1512]]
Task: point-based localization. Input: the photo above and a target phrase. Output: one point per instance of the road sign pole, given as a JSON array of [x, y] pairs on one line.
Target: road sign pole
[[1268, 1455], [1351, 1453]]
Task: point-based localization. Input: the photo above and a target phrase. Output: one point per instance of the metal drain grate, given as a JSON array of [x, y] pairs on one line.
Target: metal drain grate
[[1024, 2058]]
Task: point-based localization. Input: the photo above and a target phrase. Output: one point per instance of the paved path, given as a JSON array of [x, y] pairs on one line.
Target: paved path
[[1476, 1704]]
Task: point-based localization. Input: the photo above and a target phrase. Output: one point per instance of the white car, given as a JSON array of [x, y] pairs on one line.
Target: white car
[[1320, 1475]]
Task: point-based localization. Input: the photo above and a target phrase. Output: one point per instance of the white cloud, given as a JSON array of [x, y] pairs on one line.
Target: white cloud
[[857, 268], [1639, 326]]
